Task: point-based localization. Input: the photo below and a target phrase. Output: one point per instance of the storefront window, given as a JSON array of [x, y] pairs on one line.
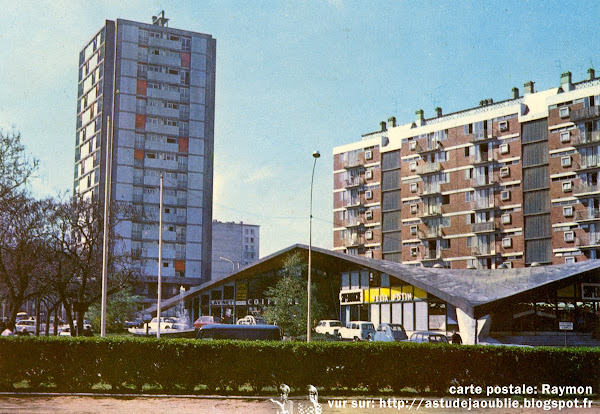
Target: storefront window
[[437, 315], [407, 311], [421, 316], [397, 313]]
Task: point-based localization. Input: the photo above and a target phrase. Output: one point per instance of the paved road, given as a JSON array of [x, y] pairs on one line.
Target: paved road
[[180, 405]]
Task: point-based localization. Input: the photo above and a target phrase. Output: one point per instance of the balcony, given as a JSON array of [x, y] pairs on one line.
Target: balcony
[[428, 168], [356, 162], [428, 146], [586, 164], [354, 182], [482, 181], [593, 214], [434, 211], [586, 138], [353, 203], [586, 189], [481, 136], [353, 223], [429, 189], [485, 227], [434, 254], [482, 158], [483, 250], [353, 241], [585, 113], [431, 233], [588, 240]]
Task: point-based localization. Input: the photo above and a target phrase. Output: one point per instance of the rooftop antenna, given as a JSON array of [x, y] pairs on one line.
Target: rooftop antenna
[[160, 20]]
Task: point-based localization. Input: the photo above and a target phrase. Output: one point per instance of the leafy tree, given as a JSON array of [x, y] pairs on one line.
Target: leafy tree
[[120, 306], [288, 298]]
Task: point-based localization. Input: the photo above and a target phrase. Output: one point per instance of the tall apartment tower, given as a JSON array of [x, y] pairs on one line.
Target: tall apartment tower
[[505, 184], [157, 86], [234, 246]]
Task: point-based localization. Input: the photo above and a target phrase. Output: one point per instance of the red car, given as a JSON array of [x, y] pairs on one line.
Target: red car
[[205, 320]]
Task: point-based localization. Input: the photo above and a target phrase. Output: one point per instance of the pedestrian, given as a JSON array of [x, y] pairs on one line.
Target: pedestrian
[[456, 339], [7, 331], [87, 331], [23, 332]]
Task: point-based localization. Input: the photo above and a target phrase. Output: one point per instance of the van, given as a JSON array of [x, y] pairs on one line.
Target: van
[[242, 332]]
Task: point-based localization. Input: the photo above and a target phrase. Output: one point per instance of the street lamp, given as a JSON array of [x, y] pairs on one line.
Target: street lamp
[[308, 324], [230, 261]]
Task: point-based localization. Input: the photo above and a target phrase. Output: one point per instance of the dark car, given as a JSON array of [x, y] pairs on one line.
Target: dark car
[[390, 332], [433, 337], [243, 332]]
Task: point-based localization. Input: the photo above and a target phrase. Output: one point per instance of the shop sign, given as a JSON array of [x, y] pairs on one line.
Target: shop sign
[[565, 326], [590, 291], [397, 296], [351, 297], [222, 302]]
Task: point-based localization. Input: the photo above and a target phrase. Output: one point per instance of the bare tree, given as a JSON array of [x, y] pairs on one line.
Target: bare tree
[[77, 244], [16, 167], [23, 238]]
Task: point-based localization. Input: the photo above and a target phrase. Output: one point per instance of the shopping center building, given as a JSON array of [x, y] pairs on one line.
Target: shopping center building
[[479, 303]]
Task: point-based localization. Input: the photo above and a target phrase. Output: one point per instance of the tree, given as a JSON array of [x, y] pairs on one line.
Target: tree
[[77, 242], [15, 166], [288, 298], [120, 306]]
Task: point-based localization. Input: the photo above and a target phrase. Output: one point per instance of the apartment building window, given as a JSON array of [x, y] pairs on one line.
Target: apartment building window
[[567, 186], [507, 242], [565, 136], [506, 219], [565, 161], [569, 260], [564, 111]]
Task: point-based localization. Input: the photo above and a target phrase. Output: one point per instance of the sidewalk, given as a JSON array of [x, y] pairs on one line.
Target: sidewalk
[[76, 404]]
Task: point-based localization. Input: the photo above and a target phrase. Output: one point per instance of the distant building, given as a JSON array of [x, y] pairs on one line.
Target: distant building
[[157, 85], [237, 242], [513, 183]]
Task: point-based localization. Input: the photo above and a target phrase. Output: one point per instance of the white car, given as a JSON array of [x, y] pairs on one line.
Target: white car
[[328, 327], [357, 331], [28, 324], [165, 323]]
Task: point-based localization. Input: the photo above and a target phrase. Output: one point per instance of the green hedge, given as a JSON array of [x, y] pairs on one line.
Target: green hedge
[[133, 365]]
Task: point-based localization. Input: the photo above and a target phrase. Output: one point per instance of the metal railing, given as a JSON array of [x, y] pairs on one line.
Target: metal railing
[[587, 214], [585, 113], [429, 168], [586, 138], [434, 232], [481, 227], [586, 188]]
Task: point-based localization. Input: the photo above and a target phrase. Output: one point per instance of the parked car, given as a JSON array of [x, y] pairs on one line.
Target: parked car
[[28, 324], [165, 323], [251, 320], [242, 332], [135, 323], [328, 327], [205, 320], [357, 330], [433, 337], [390, 332], [21, 316]]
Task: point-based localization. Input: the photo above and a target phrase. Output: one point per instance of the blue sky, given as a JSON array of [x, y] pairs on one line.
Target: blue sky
[[294, 77]]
